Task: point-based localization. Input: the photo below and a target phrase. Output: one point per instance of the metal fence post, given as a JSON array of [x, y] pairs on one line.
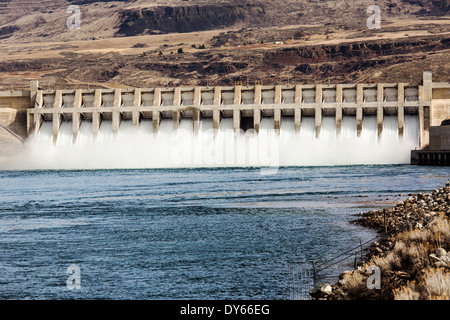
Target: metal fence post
[[314, 274]]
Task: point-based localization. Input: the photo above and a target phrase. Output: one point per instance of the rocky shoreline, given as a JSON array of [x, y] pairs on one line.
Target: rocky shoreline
[[412, 255]]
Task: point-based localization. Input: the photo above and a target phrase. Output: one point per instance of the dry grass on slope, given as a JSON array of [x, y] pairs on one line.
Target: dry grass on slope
[[417, 267]]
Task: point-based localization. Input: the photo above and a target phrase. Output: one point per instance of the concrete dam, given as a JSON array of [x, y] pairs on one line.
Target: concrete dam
[[259, 125]]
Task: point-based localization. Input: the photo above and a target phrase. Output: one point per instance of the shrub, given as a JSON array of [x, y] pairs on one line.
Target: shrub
[[406, 272], [433, 285]]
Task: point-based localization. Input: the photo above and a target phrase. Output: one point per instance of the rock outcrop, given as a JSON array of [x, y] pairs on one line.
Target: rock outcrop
[[166, 19], [357, 50]]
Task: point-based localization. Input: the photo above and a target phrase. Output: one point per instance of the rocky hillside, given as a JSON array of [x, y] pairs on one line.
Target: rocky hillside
[[31, 20], [356, 61], [143, 44]]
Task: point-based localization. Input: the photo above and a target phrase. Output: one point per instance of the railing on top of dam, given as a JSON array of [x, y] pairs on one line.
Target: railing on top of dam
[[246, 105]]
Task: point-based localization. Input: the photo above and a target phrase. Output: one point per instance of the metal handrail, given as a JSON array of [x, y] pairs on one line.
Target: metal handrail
[[345, 255], [317, 268], [350, 252]]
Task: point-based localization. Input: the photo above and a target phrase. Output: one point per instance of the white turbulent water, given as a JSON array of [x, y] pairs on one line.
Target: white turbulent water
[[139, 148]]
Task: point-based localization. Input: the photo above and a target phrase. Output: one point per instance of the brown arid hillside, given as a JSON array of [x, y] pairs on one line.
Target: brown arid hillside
[[32, 20], [198, 42]]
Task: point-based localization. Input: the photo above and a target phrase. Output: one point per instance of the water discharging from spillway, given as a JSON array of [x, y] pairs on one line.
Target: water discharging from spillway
[[139, 147]]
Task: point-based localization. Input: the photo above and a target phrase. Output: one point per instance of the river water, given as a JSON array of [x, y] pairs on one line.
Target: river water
[[223, 233]]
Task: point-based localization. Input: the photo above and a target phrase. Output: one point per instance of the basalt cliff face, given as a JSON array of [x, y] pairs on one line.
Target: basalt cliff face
[[165, 19], [359, 50], [206, 15]]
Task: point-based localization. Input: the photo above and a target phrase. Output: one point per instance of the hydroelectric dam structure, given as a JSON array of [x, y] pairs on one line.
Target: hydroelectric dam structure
[[324, 110]]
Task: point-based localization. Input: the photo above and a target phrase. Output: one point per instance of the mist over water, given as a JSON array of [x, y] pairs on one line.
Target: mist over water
[[168, 148]]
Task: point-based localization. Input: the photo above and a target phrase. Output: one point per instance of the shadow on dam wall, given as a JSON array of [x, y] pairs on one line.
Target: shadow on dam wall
[[13, 121], [13, 110]]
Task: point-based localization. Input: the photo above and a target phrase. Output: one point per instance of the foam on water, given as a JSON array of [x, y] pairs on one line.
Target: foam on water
[[140, 148]]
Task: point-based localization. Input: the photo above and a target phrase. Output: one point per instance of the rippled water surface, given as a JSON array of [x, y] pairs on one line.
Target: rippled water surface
[[185, 234]]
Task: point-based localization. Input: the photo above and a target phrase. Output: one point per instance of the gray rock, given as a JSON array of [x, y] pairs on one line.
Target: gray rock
[[326, 288], [441, 252], [317, 292]]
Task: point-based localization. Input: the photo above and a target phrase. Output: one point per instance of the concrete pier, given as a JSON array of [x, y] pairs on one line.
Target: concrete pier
[[196, 113], [236, 119], [76, 116], [96, 118], [56, 115], [116, 115], [176, 115], [256, 119], [297, 119], [318, 120], [137, 101]]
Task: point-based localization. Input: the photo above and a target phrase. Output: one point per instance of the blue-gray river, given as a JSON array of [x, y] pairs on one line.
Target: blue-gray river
[[185, 234]]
